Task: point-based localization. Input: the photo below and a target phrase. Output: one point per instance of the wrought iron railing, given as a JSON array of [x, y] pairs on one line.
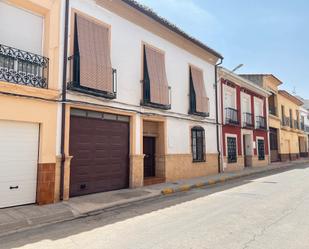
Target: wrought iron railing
[[75, 84], [23, 68], [273, 110], [285, 121], [231, 116], [260, 122], [247, 120], [296, 124]]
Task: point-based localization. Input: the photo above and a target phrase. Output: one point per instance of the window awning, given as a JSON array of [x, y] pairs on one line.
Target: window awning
[[94, 54], [202, 101], [159, 92]]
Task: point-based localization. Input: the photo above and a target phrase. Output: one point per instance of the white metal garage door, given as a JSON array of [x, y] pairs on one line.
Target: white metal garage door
[[18, 162]]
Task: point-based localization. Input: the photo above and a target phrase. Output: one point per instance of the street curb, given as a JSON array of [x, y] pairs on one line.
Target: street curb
[[223, 179], [75, 215]]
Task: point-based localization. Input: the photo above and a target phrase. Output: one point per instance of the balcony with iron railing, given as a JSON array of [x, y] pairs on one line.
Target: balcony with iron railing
[[247, 120], [23, 68], [260, 122], [296, 125], [302, 126], [231, 116], [273, 110], [75, 84], [285, 121]]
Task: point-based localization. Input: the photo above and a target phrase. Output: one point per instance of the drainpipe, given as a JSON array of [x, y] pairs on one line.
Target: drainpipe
[[217, 115], [63, 98]]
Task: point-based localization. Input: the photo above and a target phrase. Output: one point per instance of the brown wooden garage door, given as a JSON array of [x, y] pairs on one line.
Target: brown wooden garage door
[[100, 150]]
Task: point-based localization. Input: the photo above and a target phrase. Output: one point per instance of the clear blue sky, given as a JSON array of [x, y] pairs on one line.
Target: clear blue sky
[[268, 36]]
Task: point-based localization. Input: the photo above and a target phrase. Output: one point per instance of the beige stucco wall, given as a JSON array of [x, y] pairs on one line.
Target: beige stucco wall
[[288, 142], [260, 163], [230, 167], [35, 111], [180, 166], [288, 136]]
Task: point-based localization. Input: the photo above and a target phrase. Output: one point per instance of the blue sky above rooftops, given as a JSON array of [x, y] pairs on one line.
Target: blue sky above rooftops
[[267, 36]]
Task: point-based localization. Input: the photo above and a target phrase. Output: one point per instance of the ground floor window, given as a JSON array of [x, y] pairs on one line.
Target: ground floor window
[[261, 149], [198, 144], [231, 150]]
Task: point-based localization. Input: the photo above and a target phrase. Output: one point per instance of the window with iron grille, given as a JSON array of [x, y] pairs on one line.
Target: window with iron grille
[[198, 144], [261, 149], [231, 150]]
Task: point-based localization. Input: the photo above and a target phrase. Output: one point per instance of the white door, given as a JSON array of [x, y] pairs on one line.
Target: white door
[[18, 162]]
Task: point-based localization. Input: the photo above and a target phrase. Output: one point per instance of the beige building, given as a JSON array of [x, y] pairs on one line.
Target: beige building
[[29, 79]]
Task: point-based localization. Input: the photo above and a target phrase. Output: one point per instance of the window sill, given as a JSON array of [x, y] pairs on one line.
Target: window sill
[[98, 93], [198, 161], [155, 105], [200, 114], [232, 162]]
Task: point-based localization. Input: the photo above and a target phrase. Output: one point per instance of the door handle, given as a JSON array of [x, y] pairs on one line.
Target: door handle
[[15, 187]]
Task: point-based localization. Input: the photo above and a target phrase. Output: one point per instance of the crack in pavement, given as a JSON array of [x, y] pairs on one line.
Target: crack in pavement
[[285, 214]]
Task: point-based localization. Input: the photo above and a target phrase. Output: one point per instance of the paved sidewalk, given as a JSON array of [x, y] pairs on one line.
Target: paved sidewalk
[[29, 216]]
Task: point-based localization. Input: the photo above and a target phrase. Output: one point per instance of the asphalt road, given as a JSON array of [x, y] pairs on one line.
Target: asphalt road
[[268, 211]]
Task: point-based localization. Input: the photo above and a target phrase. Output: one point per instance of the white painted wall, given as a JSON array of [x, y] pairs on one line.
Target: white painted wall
[[179, 136], [20, 28], [126, 56]]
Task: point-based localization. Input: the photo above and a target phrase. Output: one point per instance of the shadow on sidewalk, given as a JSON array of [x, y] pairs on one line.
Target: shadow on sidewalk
[[114, 215]]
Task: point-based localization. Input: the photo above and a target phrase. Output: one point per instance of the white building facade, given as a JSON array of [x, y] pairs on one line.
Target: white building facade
[[140, 101]]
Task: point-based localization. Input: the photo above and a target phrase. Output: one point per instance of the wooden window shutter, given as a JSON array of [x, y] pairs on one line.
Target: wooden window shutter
[[202, 101], [94, 53], [159, 92]]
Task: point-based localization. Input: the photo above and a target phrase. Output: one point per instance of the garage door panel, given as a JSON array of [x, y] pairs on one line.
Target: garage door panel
[[100, 155], [18, 162]]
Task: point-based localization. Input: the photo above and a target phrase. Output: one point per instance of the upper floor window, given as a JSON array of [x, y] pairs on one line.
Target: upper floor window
[[231, 115], [198, 144], [156, 92], [247, 118], [259, 113], [291, 118], [272, 104], [92, 69], [199, 102], [21, 59]]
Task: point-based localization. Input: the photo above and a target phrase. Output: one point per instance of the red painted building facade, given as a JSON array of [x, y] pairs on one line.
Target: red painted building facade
[[244, 115]]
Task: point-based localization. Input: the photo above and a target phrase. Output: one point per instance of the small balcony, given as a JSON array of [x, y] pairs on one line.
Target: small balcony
[[247, 120], [285, 121], [261, 123], [23, 68], [75, 84], [273, 110], [296, 125], [231, 116]]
